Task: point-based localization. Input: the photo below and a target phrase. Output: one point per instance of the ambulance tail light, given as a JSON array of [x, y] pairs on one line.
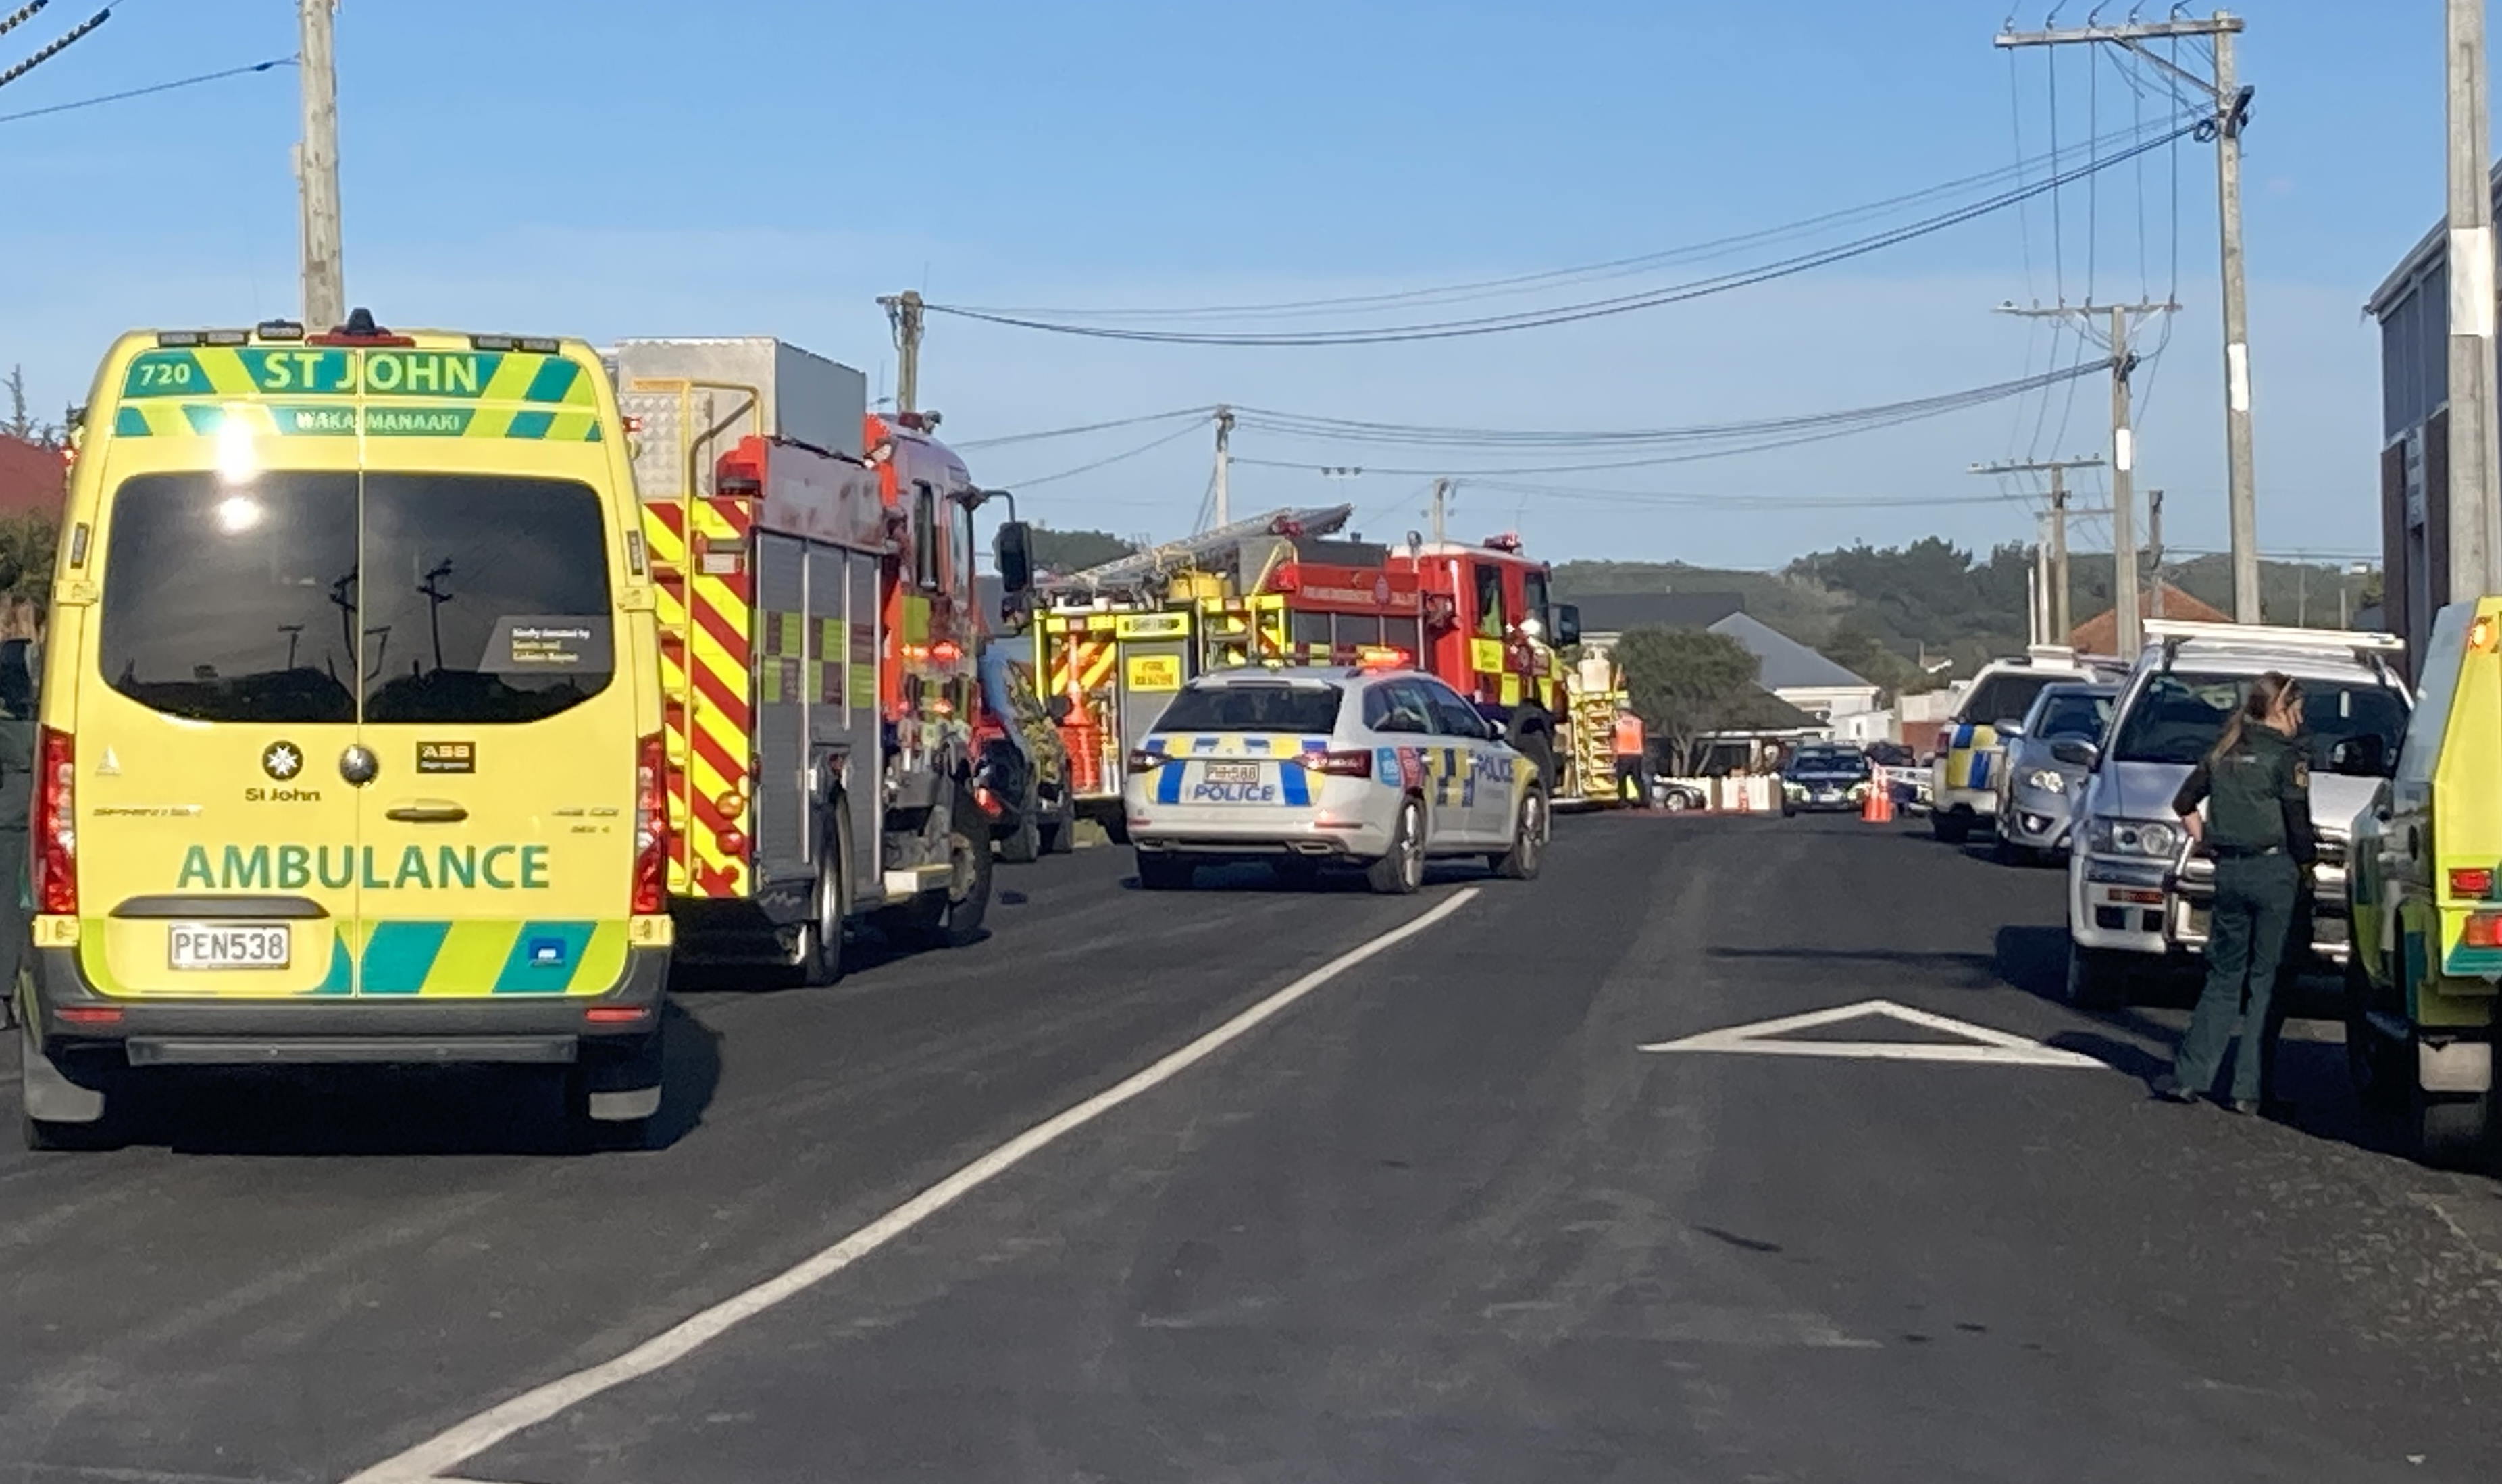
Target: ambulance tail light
[[650, 895], [1353, 764], [1143, 762], [2484, 930], [2471, 881], [56, 852]]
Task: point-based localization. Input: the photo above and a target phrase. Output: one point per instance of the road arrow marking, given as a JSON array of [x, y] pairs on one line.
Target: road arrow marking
[[1981, 1044]]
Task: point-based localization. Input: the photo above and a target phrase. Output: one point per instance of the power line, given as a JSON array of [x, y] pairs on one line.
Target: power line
[[1566, 314], [156, 88], [1518, 283], [1799, 431], [1183, 431], [58, 44], [1004, 439]]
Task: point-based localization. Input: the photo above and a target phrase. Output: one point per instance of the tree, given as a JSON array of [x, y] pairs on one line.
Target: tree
[[1685, 681], [26, 543], [1074, 550], [20, 424]]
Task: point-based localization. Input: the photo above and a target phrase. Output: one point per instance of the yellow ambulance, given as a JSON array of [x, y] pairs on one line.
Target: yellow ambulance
[[350, 741]]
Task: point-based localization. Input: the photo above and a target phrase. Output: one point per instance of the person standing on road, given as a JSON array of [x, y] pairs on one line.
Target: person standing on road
[[2256, 786], [16, 798], [1632, 756]]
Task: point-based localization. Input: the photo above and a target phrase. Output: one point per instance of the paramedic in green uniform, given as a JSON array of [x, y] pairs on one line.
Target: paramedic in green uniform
[[2256, 786]]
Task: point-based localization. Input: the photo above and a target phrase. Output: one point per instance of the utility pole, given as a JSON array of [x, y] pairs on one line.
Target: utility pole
[[903, 317], [317, 168], [1224, 465], [2231, 101], [2155, 544], [2056, 607], [2130, 630], [2130, 635], [2475, 537], [1441, 506]]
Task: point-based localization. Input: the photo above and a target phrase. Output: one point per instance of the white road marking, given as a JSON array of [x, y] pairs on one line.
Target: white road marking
[[429, 1461], [1980, 1045]]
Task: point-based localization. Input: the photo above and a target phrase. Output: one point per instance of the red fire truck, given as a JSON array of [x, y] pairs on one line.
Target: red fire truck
[[815, 570], [1117, 640]]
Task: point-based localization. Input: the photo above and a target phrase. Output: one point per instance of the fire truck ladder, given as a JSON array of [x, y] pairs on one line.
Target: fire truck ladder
[[1179, 555]]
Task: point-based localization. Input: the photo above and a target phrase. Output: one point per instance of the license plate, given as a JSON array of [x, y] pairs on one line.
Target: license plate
[[226, 945], [1233, 772]]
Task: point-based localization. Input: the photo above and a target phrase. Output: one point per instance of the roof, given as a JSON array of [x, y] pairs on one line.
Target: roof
[[1612, 613], [2099, 634], [2431, 249], [33, 479], [1787, 664]]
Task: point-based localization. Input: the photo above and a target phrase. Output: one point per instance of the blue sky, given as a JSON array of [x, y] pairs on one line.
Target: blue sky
[[768, 166]]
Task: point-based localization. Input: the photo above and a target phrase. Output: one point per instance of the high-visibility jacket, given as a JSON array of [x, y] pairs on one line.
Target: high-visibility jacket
[[1629, 734]]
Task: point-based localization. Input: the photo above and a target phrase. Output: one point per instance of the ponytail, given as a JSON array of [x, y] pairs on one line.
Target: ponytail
[[2264, 695]]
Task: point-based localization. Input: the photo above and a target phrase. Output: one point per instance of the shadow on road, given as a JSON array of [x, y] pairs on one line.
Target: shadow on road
[[322, 1111], [1250, 878]]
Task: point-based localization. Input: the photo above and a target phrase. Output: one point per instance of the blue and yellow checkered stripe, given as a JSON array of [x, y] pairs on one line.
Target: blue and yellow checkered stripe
[[1970, 755], [466, 959], [1294, 782], [190, 394]]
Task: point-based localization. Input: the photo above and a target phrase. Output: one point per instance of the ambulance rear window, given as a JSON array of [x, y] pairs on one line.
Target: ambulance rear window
[[478, 598], [486, 597], [1253, 708], [226, 604]]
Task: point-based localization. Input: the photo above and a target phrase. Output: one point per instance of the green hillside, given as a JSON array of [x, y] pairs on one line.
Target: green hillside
[[1883, 610]]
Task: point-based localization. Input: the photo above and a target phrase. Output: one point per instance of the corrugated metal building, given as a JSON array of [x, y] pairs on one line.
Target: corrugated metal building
[[2413, 308]]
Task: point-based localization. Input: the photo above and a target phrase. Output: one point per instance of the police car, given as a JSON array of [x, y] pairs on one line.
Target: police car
[[1304, 767]]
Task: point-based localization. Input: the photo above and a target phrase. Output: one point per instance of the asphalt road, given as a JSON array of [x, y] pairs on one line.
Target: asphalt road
[[1439, 1219]]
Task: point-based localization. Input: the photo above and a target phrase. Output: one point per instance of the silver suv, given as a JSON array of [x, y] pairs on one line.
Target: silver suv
[[2136, 897]]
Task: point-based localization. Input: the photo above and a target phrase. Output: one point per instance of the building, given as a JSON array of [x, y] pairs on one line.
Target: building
[[1607, 615], [2412, 306], [33, 479], [1815, 692], [2099, 634], [1809, 681]]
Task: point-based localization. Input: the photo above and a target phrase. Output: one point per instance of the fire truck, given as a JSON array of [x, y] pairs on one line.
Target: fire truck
[[1117, 640], [814, 565]]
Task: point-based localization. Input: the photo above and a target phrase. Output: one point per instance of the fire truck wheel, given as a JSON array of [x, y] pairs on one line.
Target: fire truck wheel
[[1528, 853], [1538, 747], [1401, 869], [1023, 844], [820, 936], [956, 919]]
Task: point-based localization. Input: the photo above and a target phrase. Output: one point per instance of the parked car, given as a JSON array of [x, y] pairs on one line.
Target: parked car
[[1963, 789], [2036, 790], [1676, 797], [1825, 777], [2136, 897]]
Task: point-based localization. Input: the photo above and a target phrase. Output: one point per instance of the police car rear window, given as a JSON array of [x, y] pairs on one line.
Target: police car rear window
[[477, 599], [1253, 708], [2004, 697]]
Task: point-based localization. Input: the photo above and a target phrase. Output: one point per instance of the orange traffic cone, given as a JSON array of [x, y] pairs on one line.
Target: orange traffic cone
[[1869, 804]]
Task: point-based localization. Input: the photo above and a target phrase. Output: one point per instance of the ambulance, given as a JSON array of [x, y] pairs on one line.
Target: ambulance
[[350, 736]]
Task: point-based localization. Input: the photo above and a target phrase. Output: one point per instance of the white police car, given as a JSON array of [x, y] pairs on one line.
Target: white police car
[[1301, 768]]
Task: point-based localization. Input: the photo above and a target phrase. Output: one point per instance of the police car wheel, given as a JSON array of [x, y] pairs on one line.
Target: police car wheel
[[1163, 872], [1401, 869], [1528, 853]]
